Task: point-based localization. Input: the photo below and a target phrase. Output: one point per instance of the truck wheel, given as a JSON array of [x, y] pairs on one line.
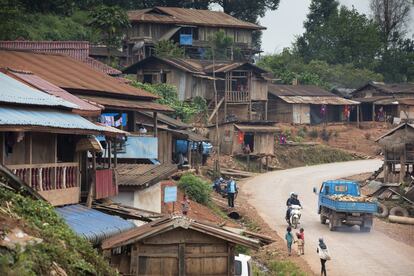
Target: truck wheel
[[399, 211], [331, 224], [382, 211], [323, 219]]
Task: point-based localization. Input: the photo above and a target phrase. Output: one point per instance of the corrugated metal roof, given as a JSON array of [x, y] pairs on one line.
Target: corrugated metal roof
[[171, 15], [54, 90], [298, 90], [169, 223], [76, 49], [42, 117], [255, 128], [335, 100], [68, 73], [166, 120], [389, 88], [93, 225], [143, 175], [199, 67], [14, 91], [128, 104]]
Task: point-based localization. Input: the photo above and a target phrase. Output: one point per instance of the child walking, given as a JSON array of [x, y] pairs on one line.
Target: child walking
[[185, 205], [289, 239], [301, 241]]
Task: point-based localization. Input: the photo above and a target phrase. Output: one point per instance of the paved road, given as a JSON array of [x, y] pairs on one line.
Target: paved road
[[353, 252]]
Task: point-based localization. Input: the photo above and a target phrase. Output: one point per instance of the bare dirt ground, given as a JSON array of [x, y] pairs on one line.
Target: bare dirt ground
[[346, 137], [353, 252], [251, 220]]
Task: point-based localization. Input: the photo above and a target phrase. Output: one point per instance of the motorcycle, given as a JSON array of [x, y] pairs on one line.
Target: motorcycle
[[295, 215]]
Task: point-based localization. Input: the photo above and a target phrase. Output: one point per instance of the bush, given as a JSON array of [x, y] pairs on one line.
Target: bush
[[325, 135], [313, 134], [302, 132], [196, 188]]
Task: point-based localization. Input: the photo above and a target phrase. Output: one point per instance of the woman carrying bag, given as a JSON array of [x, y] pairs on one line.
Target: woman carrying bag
[[323, 252]]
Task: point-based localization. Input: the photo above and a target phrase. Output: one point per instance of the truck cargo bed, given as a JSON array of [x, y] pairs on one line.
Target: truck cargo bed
[[348, 206]]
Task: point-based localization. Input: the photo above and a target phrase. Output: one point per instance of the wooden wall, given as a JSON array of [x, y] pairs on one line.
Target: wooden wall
[[264, 143], [165, 146], [226, 133], [259, 89], [279, 111], [301, 113], [180, 252]]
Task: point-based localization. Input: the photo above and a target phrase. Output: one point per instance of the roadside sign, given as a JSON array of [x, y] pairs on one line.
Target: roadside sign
[[170, 194]]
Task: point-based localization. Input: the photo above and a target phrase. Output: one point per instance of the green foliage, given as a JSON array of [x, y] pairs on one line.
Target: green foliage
[[168, 93], [168, 49], [325, 135], [313, 133], [196, 188], [344, 37], [110, 20], [289, 66], [60, 245], [222, 47], [282, 268]]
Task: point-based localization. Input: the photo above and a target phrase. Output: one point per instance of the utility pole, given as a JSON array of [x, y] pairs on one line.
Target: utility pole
[[217, 162]]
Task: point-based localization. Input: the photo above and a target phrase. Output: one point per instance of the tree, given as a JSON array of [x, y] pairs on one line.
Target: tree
[[392, 17], [110, 21], [168, 49], [288, 66], [319, 13], [221, 46]]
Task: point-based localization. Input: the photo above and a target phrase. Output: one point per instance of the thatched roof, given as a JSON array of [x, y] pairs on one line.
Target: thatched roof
[[396, 139]]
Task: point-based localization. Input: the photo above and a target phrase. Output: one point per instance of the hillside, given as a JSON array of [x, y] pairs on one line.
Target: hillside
[[34, 240]]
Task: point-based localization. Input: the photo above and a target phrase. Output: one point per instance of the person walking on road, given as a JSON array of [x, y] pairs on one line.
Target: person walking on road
[[231, 192], [323, 252], [289, 239]]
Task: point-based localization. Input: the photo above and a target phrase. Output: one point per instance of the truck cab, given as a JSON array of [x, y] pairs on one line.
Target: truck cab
[[340, 203]]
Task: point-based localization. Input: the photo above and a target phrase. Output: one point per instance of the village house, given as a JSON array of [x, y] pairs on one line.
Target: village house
[[241, 87], [189, 28], [79, 50], [385, 102], [175, 245], [398, 149], [41, 142], [308, 104]]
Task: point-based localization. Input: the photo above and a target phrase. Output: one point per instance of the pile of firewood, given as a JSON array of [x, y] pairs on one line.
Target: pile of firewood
[[351, 198]]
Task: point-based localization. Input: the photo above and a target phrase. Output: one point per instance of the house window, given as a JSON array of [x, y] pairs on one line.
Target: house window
[[163, 77], [148, 78]]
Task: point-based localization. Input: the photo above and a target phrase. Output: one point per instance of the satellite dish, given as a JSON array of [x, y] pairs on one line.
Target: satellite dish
[[137, 46]]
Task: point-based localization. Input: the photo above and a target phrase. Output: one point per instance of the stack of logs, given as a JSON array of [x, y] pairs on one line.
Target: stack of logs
[[351, 198]]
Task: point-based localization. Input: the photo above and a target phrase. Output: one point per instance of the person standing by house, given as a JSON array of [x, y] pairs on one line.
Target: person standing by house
[[185, 205], [231, 192], [323, 253], [289, 239]]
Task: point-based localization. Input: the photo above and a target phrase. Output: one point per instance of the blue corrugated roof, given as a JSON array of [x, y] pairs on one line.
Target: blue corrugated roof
[[14, 91], [93, 225], [31, 116]]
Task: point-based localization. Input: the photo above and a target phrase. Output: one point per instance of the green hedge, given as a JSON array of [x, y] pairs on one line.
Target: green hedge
[[196, 188]]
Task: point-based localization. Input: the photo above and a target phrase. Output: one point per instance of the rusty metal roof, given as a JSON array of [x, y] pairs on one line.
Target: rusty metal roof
[[170, 15], [76, 49], [389, 88], [127, 104], [143, 175], [39, 83], [298, 90], [317, 100], [68, 73], [169, 223], [195, 66], [171, 122]]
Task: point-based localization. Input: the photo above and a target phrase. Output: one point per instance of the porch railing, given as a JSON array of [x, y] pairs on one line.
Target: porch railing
[[237, 96], [47, 177]]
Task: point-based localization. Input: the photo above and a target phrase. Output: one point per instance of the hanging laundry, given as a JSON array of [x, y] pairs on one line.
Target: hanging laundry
[[240, 137], [107, 120], [323, 109]]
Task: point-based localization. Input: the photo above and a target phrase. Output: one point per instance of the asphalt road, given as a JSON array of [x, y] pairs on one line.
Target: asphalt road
[[353, 252]]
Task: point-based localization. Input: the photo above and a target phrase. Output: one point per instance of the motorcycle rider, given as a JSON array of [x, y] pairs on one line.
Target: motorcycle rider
[[292, 200]]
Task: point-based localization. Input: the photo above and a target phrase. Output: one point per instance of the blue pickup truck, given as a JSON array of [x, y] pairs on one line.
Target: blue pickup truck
[[340, 203]]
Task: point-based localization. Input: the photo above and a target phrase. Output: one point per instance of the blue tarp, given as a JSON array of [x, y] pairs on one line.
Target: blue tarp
[[140, 147], [186, 39], [181, 146], [91, 224]]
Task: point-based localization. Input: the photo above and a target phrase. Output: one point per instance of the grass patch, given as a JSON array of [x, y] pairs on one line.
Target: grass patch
[[60, 244], [282, 268], [298, 156]]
